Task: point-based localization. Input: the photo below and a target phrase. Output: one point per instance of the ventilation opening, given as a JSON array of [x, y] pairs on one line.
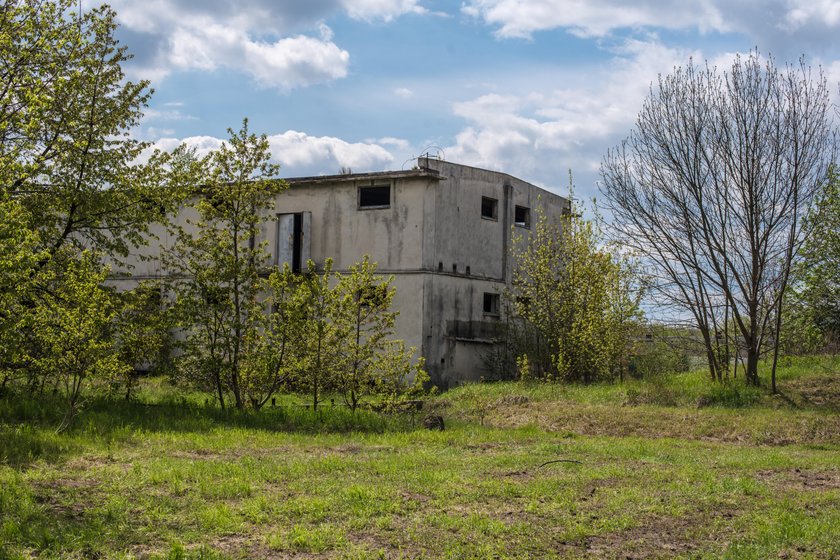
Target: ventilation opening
[[375, 197], [522, 216], [489, 208]]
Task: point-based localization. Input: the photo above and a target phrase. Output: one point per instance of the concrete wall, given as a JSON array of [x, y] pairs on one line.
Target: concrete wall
[[470, 256], [432, 237]]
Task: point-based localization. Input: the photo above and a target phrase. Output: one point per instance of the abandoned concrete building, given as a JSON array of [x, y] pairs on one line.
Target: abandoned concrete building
[[441, 229]]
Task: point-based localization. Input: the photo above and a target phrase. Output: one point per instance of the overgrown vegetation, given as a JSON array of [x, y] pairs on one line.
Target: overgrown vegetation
[[654, 472]]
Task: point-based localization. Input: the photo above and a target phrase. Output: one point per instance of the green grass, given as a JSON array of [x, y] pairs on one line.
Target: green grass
[[734, 477]]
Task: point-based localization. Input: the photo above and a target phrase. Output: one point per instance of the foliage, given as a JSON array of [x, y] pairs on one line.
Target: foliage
[[73, 327], [573, 299], [815, 316], [369, 362], [710, 191], [218, 296], [142, 336], [66, 110]]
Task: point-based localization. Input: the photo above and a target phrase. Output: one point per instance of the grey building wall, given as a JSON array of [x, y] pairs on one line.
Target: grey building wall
[[431, 236]]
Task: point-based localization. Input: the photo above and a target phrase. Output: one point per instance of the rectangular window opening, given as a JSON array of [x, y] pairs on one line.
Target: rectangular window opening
[[377, 196], [489, 208], [293, 240], [522, 216], [491, 303]]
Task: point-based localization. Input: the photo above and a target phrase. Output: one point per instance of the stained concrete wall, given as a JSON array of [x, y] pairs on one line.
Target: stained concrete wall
[[470, 256], [444, 256]]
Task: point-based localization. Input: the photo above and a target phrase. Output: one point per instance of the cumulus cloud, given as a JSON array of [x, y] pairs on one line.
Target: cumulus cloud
[[282, 45], [403, 92], [784, 25], [301, 154], [540, 135], [515, 18]]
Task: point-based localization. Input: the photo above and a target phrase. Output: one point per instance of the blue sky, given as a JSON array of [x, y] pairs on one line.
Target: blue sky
[[530, 87]]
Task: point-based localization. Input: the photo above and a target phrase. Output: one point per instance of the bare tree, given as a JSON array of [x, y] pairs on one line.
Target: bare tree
[[710, 190]]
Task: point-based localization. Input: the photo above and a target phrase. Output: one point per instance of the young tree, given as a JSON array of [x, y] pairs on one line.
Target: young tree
[[369, 360], [710, 190], [573, 299], [220, 263], [141, 335], [320, 351], [276, 349], [19, 257], [817, 274], [74, 327]]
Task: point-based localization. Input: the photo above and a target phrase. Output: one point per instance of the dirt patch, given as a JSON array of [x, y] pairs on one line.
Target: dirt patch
[[820, 392], [694, 424], [660, 537], [801, 479], [512, 400]]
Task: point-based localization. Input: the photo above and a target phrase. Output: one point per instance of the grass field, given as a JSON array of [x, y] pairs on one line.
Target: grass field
[[669, 469]]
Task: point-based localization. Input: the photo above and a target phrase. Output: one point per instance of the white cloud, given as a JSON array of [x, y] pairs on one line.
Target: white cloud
[[778, 24], [403, 92], [261, 38], [516, 18], [385, 10], [538, 136], [301, 154]]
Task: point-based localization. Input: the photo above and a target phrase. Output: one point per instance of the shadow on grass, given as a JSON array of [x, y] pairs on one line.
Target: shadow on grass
[[27, 425]]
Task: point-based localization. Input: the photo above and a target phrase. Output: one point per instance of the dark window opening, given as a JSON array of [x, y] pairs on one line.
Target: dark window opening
[[297, 233], [491, 303], [522, 216], [489, 208], [454, 268], [293, 240], [468, 270], [375, 197], [440, 267]]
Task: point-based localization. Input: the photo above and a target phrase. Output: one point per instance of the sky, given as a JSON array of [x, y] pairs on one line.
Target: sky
[[533, 88]]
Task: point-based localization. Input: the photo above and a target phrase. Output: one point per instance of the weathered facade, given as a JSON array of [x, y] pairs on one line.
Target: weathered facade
[[442, 230]]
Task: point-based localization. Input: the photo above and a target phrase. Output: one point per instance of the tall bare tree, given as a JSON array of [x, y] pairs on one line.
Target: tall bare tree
[[711, 188]]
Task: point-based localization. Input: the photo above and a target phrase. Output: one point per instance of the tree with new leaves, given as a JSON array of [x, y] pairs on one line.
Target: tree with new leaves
[[320, 350], [74, 328], [369, 361], [710, 191], [220, 262], [66, 112], [573, 301], [815, 315], [19, 258], [275, 351]]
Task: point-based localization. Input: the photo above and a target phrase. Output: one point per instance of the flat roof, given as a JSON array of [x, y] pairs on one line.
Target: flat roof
[[349, 177]]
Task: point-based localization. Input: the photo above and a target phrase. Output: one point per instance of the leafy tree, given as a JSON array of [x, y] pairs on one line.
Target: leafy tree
[[573, 302], [711, 189], [815, 316], [369, 362], [74, 327], [142, 332], [321, 347], [66, 112], [19, 256], [218, 297], [275, 350]]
